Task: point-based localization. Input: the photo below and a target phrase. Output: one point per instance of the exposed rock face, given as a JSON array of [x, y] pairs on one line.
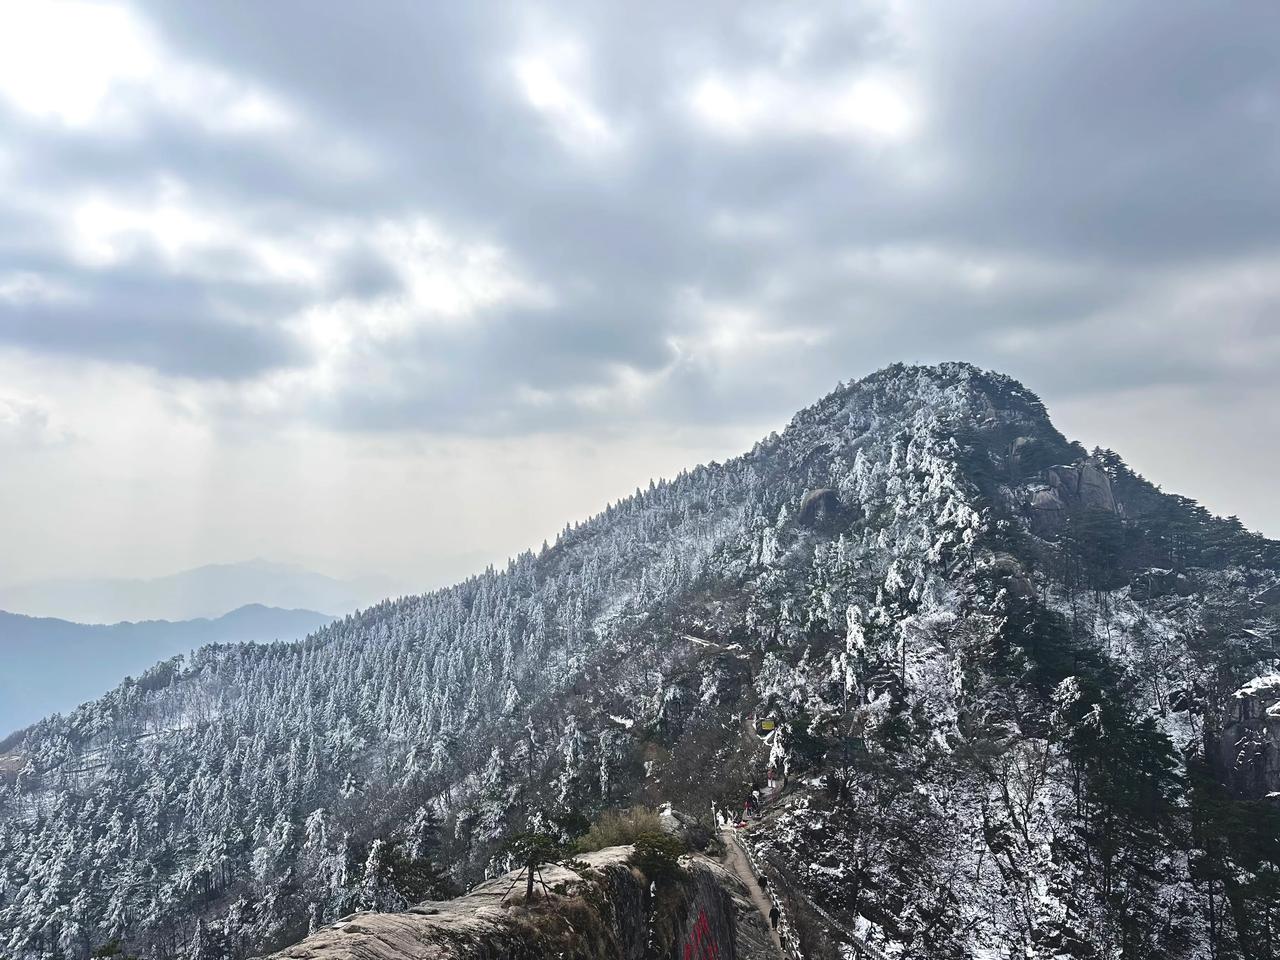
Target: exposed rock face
[[1018, 453], [1083, 484], [686, 828], [1079, 486], [607, 910], [819, 506], [1047, 510], [1156, 582], [1014, 574], [1249, 746]]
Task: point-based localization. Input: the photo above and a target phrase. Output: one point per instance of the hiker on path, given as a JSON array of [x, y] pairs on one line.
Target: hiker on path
[[774, 914], [773, 778], [763, 881]]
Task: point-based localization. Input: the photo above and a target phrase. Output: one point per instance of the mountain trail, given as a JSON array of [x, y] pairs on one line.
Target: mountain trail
[[740, 862], [736, 860]]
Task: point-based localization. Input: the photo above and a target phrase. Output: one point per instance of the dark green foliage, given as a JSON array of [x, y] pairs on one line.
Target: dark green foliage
[[1179, 533], [405, 868], [1099, 545], [657, 856], [1238, 864], [1125, 788], [1124, 769], [531, 850], [1035, 646], [570, 823], [878, 834], [111, 950], [807, 749], [418, 878]]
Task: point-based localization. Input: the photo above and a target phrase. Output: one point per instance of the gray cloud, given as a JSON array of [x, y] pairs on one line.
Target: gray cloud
[[162, 327], [1061, 166]]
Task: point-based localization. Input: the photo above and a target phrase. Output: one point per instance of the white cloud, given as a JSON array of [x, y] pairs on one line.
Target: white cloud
[[106, 231], [719, 332], [99, 65], [27, 423], [191, 239], [434, 278], [445, 281], [873, 106], [449, 277], [63, 60], [553, 80], [1217, 318]]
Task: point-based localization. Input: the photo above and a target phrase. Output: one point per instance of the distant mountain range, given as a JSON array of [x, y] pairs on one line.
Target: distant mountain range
[[49, 665], [208, 591]]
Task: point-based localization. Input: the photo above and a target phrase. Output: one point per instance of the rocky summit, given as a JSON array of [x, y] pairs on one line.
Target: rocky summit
[[999, 696]]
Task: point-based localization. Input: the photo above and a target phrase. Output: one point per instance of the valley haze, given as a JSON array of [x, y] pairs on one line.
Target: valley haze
[[53, 665], [204, 592]]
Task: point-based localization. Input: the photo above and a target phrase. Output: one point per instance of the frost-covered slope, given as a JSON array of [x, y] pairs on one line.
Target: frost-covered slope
[[983, 652]]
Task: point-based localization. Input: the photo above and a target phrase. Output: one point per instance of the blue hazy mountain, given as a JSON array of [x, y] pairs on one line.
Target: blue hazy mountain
[[49, 665], [207, 591]]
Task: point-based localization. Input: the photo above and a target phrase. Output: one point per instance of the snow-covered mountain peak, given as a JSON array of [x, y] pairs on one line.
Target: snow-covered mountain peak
[[996, 674]]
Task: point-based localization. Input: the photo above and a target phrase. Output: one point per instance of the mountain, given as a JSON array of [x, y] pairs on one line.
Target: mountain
[[54, 665], [1023, 702], [208, 591]]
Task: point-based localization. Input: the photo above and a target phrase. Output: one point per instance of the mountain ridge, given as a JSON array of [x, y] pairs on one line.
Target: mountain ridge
[[987, 654]]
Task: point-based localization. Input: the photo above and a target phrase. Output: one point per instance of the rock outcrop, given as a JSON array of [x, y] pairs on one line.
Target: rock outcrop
[[1084, 484], [1249, 744], [601, 907], [1079, 486], [819, 506], [1156, 582]]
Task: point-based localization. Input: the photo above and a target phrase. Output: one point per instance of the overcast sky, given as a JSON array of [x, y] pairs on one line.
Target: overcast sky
[[400, 287]]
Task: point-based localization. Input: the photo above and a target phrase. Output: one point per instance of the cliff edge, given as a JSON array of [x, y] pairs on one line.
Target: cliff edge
[[600, 906]]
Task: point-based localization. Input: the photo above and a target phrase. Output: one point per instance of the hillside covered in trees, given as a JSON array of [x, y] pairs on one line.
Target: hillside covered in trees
[[1026, 704]]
